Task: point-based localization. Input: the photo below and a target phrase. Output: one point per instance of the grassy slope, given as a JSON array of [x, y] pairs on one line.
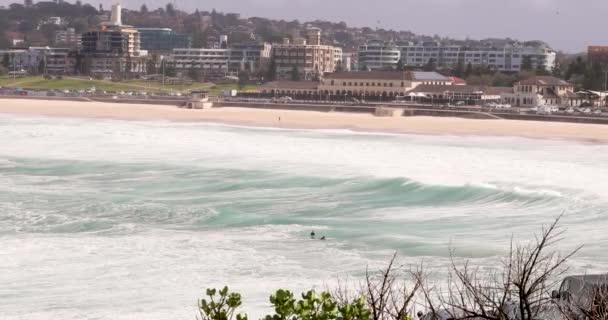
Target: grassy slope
[[40, 83]]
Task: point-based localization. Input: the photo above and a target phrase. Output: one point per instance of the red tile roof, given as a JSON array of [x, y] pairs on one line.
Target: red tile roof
[[544, 81]]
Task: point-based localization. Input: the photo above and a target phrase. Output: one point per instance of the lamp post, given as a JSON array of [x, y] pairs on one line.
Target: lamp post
[[162, 70]]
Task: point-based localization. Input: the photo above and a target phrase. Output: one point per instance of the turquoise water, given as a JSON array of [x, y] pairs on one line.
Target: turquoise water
[[120, 220]]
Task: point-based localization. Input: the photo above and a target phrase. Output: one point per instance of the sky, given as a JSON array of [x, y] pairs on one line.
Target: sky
[[568, 25]]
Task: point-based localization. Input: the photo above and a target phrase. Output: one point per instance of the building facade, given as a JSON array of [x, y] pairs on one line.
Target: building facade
[[114, 49], [508, 58], [309, 58], [41, 60], [212, 63], [597, 54], [250, 57], [379, 83], [162, 40], [68, 38], [377, 55], [542, 91]]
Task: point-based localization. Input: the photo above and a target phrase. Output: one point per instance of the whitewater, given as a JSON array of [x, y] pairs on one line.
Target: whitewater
[[109, 219]]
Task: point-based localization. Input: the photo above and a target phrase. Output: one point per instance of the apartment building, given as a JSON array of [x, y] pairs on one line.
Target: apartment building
[[212, 60], [46, 60], [68, 38], [377, 55], [162, 40], [309, 57], [250, 57], [508, 58], [114, 48]]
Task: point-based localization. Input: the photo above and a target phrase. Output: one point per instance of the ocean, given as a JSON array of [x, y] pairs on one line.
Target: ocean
[[108, 219]]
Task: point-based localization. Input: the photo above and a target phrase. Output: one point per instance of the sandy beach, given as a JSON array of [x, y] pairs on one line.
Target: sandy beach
[[310, 120]]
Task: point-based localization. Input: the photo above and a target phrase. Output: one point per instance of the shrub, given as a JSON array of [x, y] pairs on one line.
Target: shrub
[[222, 305]]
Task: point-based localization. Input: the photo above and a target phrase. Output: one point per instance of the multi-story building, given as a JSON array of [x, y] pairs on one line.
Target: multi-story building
[[377, 55], [250, 57], [211, 62], [68, 38], [508, 58], [114, 48], [542, 90], [597, 54], [309, 57], [41, 60], [162, 40]]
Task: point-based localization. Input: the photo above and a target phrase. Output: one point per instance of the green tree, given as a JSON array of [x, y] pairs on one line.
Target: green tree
[[42, 66], [221, 305], [243, 78], [540, 70], [194, 74], [430, 65], [400, 65], [6, 60], [469, 71], [459, 69], [271, 75], [170, 9], [314, 306], [295, 74], [526, 64]]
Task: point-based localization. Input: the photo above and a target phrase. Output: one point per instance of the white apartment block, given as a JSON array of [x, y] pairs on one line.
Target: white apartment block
[[507, 59], [68, 37], [378, 56], [207, 59], [55, 60]]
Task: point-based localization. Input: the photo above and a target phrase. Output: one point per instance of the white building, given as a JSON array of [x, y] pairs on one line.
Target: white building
[[33, 59], [251, 57], [542, 91], [68, 37], [201, 58], [508, 58], [377, 55]]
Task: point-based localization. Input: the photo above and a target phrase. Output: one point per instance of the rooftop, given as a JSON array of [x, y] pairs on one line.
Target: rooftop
[[544, 81]]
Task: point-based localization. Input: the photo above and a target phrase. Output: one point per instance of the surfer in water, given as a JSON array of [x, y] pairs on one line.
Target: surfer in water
[[323, 238], [312, 234]]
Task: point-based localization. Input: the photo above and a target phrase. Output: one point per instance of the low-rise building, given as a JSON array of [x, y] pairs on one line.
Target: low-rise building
[[542, 90], [379, 83], [41, 60], [459, 92], [290, 88]]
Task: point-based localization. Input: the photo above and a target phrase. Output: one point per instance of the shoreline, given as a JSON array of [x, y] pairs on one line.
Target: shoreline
[[293, 119]]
